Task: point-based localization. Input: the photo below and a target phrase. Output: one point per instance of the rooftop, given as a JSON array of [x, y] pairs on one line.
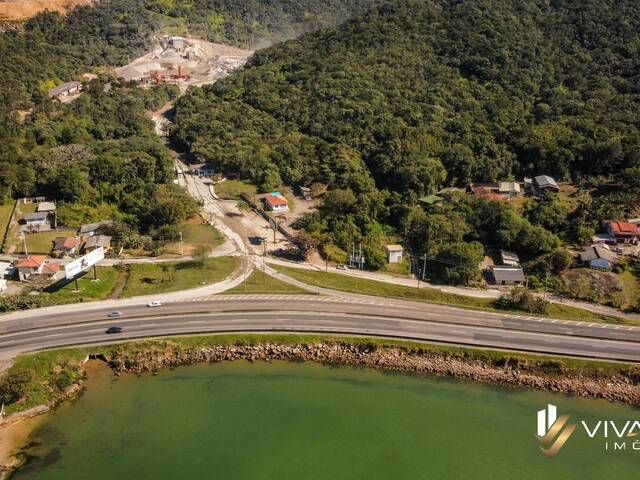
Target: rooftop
[[65, 87], [508, 274], [46, 207], [276, 200], [92, 227], [62, 243], [395, 248], [98, 241], [595, 252], [623, 228], [31, 261], [35, 216], [545, 181]]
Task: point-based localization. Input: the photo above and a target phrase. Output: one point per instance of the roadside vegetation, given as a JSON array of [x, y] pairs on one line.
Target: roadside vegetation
[[156, 278], [432, 295], [41, 378]]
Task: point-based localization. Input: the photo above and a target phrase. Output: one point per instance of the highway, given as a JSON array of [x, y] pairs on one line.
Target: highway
[[369, 316]]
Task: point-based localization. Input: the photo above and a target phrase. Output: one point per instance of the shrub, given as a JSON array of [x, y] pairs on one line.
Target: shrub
[[523, 300], [15, 385]]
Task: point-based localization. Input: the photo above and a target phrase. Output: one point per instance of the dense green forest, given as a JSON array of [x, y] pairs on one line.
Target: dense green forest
[[99, 155], [413, 96]]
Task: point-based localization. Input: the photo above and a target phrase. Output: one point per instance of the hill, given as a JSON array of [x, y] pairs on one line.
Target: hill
[[415, 95]]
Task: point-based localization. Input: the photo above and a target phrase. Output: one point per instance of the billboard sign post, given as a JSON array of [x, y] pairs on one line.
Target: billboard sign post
[[82, 264]]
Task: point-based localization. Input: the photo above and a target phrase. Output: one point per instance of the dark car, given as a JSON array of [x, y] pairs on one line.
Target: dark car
[[114, 330]]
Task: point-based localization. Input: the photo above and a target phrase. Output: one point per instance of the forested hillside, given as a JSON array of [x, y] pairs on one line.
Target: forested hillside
[[416, 95], [99, 155]]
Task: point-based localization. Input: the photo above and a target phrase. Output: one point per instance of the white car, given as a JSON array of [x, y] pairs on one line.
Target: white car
[[153, 304]]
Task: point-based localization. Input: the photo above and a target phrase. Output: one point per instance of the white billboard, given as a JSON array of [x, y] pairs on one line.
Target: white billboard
[[83, 263]]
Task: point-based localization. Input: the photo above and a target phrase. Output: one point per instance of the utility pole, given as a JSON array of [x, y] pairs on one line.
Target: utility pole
[[424, 266], [24, 241], [264, 266], [181, 246], [546, 278]]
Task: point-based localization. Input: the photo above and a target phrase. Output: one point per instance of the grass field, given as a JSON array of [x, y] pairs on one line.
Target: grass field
[[258, 282], [43, 242], [46, 369], [232, 189], [428, 295], [89, 290], [147, 279], [195, 233]]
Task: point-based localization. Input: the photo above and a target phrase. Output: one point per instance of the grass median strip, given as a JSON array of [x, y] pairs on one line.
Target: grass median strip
[[352, 284], [259, 282]]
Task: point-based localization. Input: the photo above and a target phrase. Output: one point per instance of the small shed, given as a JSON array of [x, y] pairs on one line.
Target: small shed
[[508, 275], [509, 258], [394, 253]]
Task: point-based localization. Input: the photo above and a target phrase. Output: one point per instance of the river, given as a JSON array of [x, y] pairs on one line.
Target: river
[[237, 420]]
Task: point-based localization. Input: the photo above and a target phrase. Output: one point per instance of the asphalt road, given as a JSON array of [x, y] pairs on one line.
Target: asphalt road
[[308, 313]]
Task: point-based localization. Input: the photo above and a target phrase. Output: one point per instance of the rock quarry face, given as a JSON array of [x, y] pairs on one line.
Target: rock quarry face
[[393, 359]]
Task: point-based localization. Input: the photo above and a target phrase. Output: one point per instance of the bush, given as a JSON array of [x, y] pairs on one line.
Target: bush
[[15, 386], [523, 300], [65, 379], [21, 302]]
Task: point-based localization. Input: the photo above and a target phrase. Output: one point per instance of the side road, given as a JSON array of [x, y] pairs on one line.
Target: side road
[[468, 292]]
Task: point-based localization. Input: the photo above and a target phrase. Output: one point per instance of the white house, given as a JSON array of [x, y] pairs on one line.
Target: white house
[[394, 253], [36, 218], [275, 202]]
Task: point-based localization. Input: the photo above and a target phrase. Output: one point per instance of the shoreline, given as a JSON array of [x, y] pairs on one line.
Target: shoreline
[[151, 357]]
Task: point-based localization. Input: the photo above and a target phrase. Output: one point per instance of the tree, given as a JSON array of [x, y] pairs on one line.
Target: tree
[[301, 245], [15, 385], [522, 299], [200, 254], [459, 263]]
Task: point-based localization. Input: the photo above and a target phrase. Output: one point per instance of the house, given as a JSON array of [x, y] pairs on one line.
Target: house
[[597, 256], [509, 189], [90, 229], [622, 232], [394, 253], [65, 246], [30, 265], [46, 207], [275, 202], [50, 270], [544, 183], [36, 218], [507, 275], [66, 90], [509, 258], [97, 241]]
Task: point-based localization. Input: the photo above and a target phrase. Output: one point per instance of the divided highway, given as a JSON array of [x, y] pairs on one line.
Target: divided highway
[[368, 316]]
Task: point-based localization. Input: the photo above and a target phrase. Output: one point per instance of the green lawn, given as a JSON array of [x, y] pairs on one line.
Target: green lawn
[[43, 242], [258, 282], [89, 290], [428, 295], [147, 279], [195, 233], [232, 189]]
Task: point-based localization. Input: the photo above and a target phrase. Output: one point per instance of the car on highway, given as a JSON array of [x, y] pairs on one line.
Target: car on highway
[[153, 304], [115, 314], [114, 330]]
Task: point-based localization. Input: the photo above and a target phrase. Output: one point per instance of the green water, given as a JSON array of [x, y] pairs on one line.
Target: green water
[[305, 421]]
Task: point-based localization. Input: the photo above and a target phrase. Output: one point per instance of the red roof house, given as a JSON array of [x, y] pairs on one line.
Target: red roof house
[[623, 232], [276, 202]]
